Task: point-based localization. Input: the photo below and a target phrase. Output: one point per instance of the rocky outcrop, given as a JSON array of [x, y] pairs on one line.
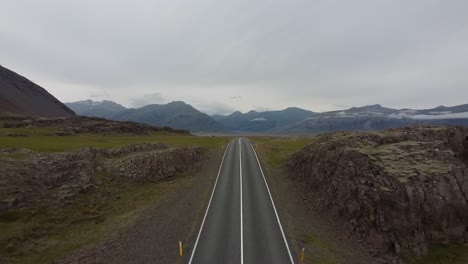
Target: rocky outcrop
[[155, 165], [79, 125], [400, 189], [28, 178]]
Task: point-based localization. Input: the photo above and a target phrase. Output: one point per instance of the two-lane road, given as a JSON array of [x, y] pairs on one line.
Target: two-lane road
[[241, 224]]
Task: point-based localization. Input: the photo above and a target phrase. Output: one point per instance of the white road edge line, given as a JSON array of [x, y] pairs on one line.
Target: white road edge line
[[209, 203], [273, 203], [241, 210]]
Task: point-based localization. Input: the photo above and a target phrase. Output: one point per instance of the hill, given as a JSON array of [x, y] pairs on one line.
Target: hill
[[20, 96], [177, 115], [254, 121], [104, 109]]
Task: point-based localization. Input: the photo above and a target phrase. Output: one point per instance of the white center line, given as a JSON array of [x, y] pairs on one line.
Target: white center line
[[241, 211]]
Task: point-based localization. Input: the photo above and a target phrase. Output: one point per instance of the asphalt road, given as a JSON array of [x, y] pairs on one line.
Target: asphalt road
[[241, 224]]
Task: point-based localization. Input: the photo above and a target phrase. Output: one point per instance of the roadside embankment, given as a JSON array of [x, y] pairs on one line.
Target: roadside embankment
[[54, 203], [400, 190]]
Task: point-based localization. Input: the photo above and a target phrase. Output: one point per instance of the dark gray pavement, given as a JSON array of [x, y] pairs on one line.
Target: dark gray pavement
[[241, 224]]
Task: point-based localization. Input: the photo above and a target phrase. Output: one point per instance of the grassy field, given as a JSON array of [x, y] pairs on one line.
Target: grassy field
[[443, 254], [44, 140], [275, 150]]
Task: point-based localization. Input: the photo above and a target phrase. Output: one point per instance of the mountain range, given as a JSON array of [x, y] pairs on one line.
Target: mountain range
[[176, 114], [104, 109], [20, 96], [291, 120], [254, 121], [376, 117]]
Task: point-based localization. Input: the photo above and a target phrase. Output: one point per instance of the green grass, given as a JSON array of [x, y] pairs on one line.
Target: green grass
[[42, 139], [9, 216], [327, 251], [276, 150], [442, 254]]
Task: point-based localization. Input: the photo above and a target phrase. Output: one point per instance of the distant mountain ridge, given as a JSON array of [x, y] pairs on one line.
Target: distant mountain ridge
[[254, 121], [178, 115], [104, 109], [175, 114], [291, 120], [20, 96], [376, 117]]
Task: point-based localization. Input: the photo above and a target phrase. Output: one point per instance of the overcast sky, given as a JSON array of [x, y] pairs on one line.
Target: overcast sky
[[221, 56]]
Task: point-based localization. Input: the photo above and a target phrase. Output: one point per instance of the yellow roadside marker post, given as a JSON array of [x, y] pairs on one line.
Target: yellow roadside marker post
[[180, 248], [302, 255]]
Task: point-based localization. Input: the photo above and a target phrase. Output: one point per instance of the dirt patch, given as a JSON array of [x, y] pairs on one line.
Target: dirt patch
[[399, 190]]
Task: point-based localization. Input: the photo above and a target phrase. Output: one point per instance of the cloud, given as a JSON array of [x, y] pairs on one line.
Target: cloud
[[99, 94], [432, 116], [212, 108], [260, 119], [442, 116], [146, 99], [312, 54], [260, 108]]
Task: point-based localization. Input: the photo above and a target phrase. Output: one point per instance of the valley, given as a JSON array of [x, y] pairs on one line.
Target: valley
[[93, 196], [96, 182], [234, 132]]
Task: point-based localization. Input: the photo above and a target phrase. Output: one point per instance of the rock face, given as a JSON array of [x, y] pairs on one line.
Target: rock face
[[20, 96], [400, 189], [29, 178], [155, 165]]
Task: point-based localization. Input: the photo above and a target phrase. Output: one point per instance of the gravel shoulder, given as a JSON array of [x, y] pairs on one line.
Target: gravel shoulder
[[154, 237]]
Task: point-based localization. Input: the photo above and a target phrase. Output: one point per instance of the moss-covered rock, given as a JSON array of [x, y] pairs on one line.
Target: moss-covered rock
[[400, 189]]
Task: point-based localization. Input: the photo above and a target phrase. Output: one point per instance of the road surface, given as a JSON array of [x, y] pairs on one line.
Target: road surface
[[241, 224]]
